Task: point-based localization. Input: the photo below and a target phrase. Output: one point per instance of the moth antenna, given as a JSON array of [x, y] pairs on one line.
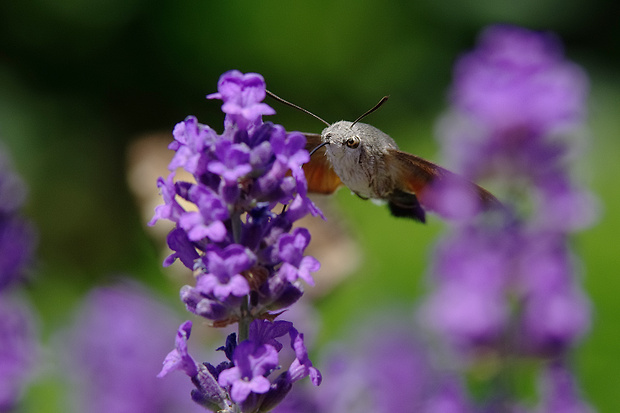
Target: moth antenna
[[369, 111], [318, 147], [286, 102]]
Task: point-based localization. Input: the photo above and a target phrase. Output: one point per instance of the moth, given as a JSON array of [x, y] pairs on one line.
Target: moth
[[369, 162]]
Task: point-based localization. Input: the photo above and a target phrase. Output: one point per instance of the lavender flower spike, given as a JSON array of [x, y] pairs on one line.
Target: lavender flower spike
[[508, 286], [247, 260]]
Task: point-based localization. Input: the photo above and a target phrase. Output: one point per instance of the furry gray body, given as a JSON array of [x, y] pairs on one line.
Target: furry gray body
[[363, 169]]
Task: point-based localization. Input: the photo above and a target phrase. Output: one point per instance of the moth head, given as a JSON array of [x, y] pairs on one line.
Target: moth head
[[342, 140]]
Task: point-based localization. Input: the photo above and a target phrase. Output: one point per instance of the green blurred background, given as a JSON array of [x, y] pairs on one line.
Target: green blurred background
[[81, 81]]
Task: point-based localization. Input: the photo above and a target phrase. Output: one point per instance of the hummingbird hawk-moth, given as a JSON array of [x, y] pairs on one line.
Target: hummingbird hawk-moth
[[369, 162]]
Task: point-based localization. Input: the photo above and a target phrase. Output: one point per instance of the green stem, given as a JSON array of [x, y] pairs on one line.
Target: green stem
[[245, 319], [235, 222]]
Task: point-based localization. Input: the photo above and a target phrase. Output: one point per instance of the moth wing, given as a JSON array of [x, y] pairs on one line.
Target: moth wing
[[320, 175], [415, 175]]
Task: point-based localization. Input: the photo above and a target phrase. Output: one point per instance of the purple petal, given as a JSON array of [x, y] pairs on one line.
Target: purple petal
[[221, 287], [171, 209], [184, 249], [265, 332], [179, 358]]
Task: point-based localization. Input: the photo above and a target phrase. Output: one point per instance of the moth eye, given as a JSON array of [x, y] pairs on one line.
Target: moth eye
[[353, 142]]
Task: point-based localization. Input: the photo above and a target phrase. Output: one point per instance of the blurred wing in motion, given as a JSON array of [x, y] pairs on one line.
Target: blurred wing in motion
[[415, 176]]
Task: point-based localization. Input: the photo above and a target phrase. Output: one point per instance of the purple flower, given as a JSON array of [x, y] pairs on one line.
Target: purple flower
[[207, 222], [477, 256], [516, 87], [302, 367], [257, 357], [223, 268], [291, 153], [505, 284], [198, 304], [191, 141], [472, 268], [18, 350], [18, 342], [449, 398], [562, 205], [17, 235], [171, 209], [383, 367], [266, 332], [251, 362], [298, 400], [467, 317], [552, 321], [515, 78], [246, 260], [559, 391], [295, 265], [233, 161], [513, 97], [114, 349], [242, 95], [17, 244], [184, 249], [179, 358]]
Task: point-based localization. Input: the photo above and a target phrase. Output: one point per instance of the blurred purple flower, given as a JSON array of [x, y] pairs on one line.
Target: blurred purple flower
[[17, 245], [452, 198], [553, 320], [450, 397], [246, 258], [515, 80], [17, 235], [114, 349], [467, 317], [506, 283], [559, 392], [19, 350], [381, 368], [518, 78]]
